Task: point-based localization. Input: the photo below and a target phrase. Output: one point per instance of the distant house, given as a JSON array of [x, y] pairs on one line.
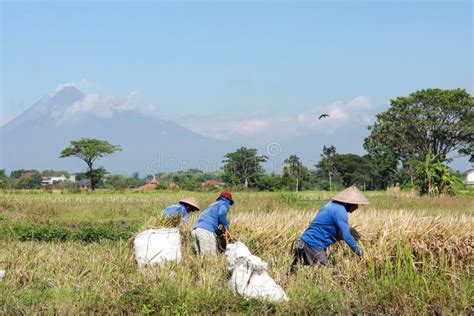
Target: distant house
[[84, 183], [52, 180], [469, 173], [27, 175], [150, 185], [54, 186], [211, 183]]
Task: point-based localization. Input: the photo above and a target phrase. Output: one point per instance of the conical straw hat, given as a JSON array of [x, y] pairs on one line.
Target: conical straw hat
[[190, 201], [351, 195]]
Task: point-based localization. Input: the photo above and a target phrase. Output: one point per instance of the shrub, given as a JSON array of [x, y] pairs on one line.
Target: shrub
[[25, 231], [87, 233], [110, 231], [292, 199]]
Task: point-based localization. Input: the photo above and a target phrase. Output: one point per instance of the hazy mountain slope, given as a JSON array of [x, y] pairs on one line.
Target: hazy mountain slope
[[35, 138]]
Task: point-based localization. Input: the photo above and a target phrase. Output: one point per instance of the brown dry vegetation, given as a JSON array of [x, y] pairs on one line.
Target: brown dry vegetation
[[418, 257]]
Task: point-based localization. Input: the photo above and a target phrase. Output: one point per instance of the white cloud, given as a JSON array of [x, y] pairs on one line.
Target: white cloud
[[249, 127], [338, 112], [222, 126], [264, 126], [81, 84], [61, 86], [360, 103], [103, 106]]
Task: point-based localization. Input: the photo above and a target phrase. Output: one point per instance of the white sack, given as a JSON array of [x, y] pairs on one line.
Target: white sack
[[157, 246], [249, 275]]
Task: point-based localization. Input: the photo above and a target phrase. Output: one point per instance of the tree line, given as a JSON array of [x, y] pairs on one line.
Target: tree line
[[408, 145]]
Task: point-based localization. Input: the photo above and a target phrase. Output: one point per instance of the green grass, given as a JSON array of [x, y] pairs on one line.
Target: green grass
[[57, 233], [419, 256]]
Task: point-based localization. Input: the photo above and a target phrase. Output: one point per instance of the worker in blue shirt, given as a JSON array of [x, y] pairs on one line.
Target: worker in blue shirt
[[183, 208], [330, 221], [204, 230]]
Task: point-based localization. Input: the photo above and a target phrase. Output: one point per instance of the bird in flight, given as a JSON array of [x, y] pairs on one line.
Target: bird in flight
[[323, 116]]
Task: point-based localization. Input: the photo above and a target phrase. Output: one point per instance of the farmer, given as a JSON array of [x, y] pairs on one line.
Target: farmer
[[205, 229], [183, 208], [330, 221]]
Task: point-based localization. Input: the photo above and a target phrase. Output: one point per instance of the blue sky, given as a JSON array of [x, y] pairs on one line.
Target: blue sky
[[238, 69]]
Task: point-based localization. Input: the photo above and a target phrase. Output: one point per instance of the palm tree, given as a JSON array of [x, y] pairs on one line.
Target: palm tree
[[295, 168]]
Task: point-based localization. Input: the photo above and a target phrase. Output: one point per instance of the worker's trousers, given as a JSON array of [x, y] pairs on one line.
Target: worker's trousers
[[204, 241]]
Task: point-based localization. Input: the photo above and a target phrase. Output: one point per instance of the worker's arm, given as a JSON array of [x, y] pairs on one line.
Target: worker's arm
[[185, 216], [342, 222], [222, 216]]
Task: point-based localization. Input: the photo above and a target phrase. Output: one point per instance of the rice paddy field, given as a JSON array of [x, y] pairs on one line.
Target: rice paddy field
[[70, 254]]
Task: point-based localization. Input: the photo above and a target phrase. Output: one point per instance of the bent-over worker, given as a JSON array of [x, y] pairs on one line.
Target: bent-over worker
[[204, 230], [183, 208], [330, 221]]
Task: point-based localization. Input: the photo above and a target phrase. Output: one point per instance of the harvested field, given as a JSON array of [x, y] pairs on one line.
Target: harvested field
[[418, 256]]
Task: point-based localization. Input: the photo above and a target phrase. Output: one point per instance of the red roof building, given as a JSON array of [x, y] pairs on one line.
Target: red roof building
[[150, 185], [28, 174], [153, 180], [213, 183]]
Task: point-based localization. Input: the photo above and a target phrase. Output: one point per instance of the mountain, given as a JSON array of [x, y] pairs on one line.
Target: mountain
[[150, 145], [36, 137], [42, 112]]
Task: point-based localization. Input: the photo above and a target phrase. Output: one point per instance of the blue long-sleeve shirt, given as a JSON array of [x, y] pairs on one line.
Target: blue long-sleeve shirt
[[177, 209], [214, 215], [324, 228]]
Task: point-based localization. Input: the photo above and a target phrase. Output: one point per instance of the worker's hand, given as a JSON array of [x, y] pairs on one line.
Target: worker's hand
[[361, 248], [227, 235]]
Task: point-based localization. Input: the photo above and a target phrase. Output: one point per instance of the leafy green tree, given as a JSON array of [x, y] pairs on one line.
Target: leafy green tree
[[353, 169], [33, 182], [285, 180], [325, 167], [427, 121], [29, 179], [468, 151], [121, 183], [329, 153], [296, 169], [97, 177], [243, 167], [89, 150], [269, 182], [384, 171], [16, 174], [432, 120], [116, 181], [80, 176], [4, 182], [190, 179]]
